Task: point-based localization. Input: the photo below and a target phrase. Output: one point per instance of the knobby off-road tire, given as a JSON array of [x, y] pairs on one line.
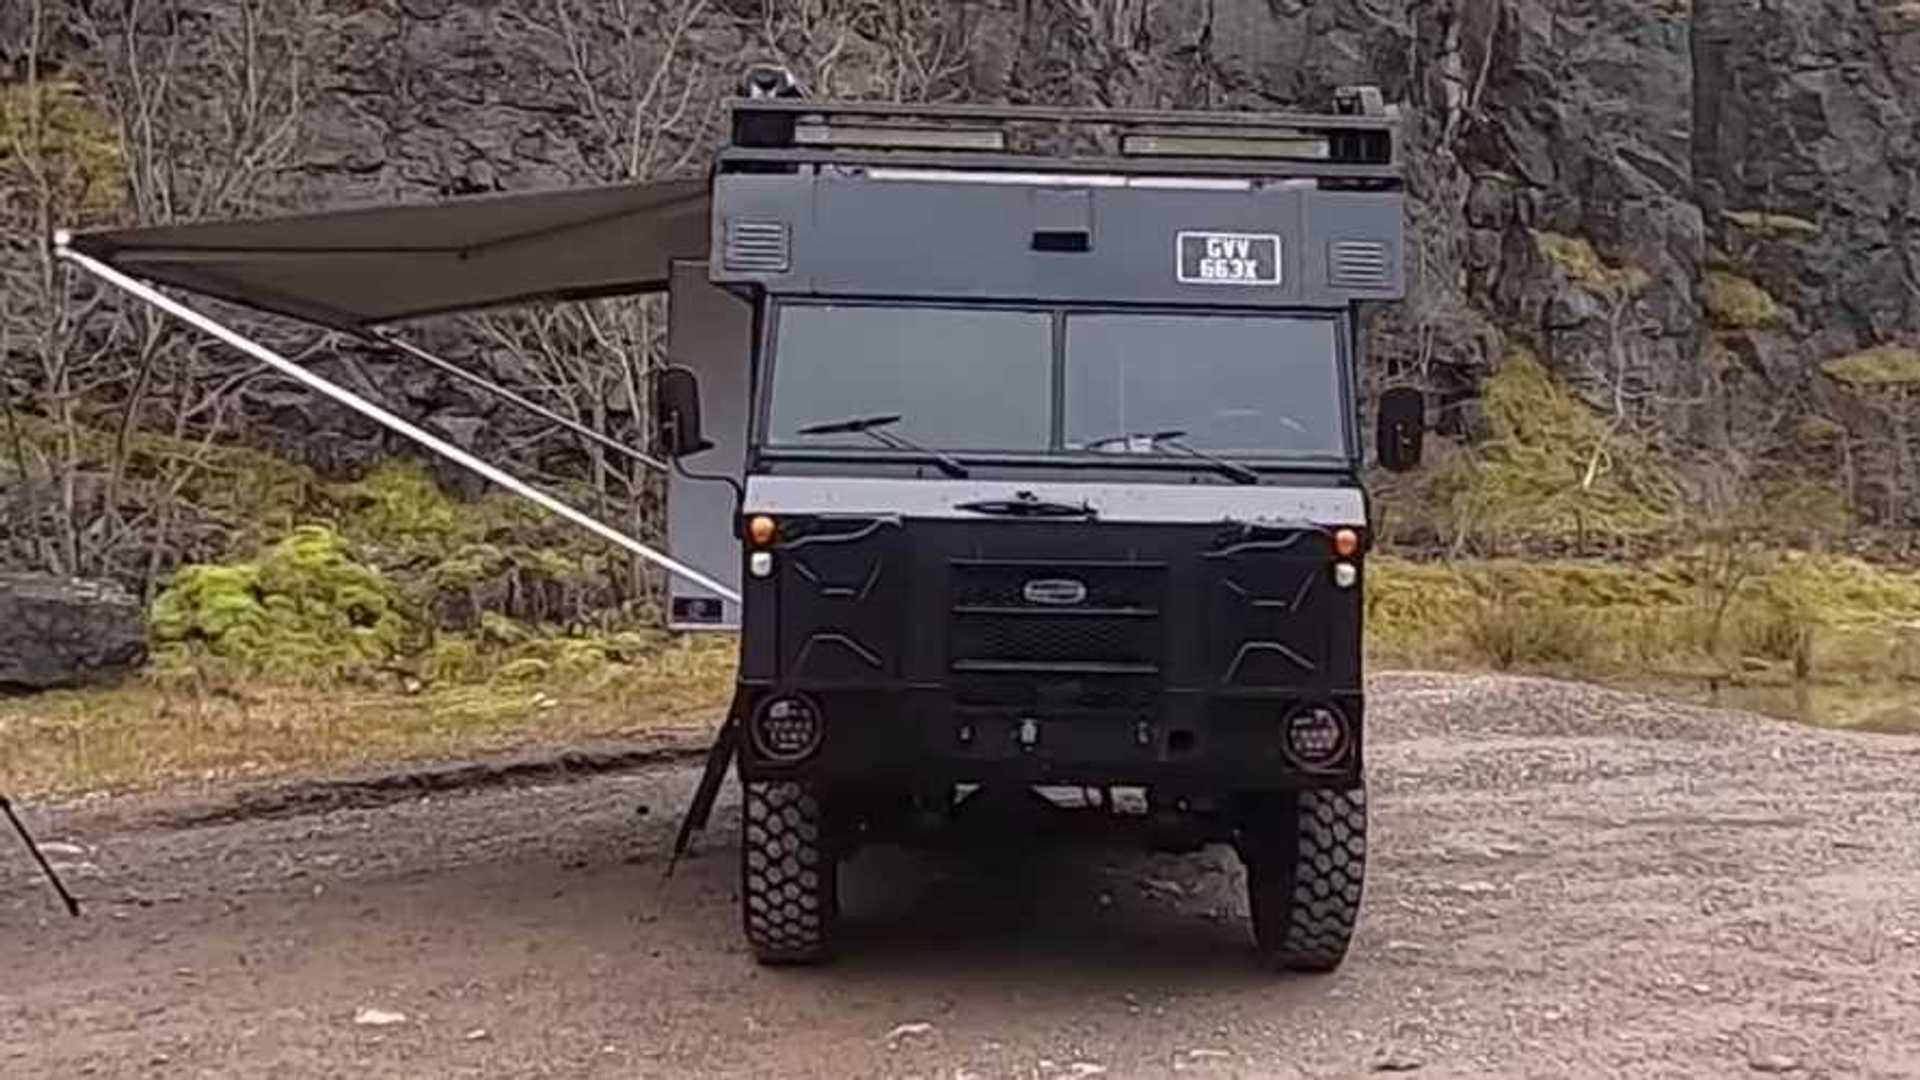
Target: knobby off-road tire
[[1306, 866], [788, 875]]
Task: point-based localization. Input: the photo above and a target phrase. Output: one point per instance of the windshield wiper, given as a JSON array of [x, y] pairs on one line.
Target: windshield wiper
[[1231, 469], [874, 427], [1027, 504]]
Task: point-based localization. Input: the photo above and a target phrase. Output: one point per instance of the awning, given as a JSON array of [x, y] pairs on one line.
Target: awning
[[357, 268]]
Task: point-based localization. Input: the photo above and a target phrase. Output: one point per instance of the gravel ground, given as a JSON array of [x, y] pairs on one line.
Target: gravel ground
[[1565, 881]]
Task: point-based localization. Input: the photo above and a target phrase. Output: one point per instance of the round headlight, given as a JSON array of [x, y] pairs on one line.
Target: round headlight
[[787, 728], [1317, 736]]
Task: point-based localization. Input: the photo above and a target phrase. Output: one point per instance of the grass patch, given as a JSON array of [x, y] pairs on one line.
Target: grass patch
[[1821, 618], [1886, 708], [327, 648], [154, 733], [325, 623], [1512, 633]]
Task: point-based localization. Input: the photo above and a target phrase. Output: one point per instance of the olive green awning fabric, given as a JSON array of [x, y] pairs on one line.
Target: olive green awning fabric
[[355, 269]]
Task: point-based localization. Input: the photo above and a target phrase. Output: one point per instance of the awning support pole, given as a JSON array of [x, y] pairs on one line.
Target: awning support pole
[[351, 400], [394, 341]]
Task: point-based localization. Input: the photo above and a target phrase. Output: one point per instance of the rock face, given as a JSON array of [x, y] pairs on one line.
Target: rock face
[[1593, 178], [1684, 206], [57, 631]]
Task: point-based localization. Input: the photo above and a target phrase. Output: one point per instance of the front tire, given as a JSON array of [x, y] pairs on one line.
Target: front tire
[[788, 875], [1306, 862]]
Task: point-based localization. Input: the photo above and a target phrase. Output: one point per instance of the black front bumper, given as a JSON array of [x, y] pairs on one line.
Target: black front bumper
[[933, 661]]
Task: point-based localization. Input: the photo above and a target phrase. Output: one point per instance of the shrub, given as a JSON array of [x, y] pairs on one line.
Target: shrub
[[1523, 632]]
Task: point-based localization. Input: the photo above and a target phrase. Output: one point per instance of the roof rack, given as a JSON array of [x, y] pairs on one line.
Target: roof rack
[[1357, 146]]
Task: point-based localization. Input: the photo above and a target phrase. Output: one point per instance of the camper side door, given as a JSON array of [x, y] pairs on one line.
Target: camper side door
[[709, 332]]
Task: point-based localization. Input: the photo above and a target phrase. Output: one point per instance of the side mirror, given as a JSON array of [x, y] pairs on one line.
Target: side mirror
[[677, 413], [1403, 428]]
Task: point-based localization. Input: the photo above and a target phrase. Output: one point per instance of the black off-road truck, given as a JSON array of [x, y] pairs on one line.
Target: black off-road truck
[[1048, 432]]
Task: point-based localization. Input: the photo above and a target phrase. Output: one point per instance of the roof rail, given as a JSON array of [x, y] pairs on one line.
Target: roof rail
[[1356, 146]]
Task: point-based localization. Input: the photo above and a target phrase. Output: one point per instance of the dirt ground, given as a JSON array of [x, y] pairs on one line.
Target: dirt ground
[[1565, 881]]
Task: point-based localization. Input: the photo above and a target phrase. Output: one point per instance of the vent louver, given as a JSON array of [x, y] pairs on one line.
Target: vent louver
[[1359, 264], [758, 246]]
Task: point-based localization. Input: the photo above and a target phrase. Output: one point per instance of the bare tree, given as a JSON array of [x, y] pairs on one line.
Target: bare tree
[[148, 111], [648, 98], [891, 50], [1887, 379], [644, 77]]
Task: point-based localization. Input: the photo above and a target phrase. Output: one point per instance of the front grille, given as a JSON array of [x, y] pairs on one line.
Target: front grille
[[1000, 625], [1032, 636]]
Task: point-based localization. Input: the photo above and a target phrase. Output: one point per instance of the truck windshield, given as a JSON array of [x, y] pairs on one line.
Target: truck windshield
[[1254, 385], [959, 378], [982, 380]]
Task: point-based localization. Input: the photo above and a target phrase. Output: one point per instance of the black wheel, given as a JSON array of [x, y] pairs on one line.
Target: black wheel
[[788, 878], [1306, 859]]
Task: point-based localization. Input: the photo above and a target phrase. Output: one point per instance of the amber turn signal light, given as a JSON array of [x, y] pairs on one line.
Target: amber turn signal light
[[1346, 543], [761, 530]]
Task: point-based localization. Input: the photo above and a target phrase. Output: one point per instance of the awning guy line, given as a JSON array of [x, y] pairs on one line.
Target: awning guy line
[[140, 290], [393, 341]]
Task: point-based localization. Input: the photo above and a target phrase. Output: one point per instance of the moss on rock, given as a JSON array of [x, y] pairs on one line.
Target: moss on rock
[[1576, 258], [1771, 225], [398, 505], [1551, 470], [218, 605], [458, 561], [1880, 366], [1738, 303], [307, 609]]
